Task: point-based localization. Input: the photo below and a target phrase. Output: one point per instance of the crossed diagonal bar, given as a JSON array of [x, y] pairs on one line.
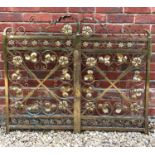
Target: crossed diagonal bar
[[113, 84], [41, 83]]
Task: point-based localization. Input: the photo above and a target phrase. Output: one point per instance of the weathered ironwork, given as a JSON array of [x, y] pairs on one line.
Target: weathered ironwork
[[76, 79]]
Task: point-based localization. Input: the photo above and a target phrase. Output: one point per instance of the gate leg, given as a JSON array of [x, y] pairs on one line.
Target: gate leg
[[77, 91]]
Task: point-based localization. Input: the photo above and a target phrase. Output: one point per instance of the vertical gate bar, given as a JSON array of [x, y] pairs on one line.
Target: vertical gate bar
[[6, 81], [147, 81], [77, 86]]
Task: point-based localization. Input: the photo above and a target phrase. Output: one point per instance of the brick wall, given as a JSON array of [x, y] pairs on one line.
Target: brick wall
[[117, 19]]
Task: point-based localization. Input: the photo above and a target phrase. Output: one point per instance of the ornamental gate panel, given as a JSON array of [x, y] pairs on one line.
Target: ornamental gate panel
[[77, 79]]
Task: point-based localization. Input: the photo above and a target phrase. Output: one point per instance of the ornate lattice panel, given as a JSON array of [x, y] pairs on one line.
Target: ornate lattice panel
[[77, 79]]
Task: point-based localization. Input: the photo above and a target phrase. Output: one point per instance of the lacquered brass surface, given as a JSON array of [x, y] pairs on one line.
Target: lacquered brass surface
[[76, 79]]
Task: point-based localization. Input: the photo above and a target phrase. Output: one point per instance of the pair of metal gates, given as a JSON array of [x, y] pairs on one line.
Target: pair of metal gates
[[77, 80]]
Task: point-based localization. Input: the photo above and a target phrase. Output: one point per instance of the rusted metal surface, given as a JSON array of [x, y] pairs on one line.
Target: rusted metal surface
[[77, 79]]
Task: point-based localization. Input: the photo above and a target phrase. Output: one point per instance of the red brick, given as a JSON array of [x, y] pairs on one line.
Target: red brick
[[37, 17], [108, 29], [152, 111], [10, 17], [153, 29], [153, 48], [5, 9], [91, 17], [120, 18], [135, 28], [137, 10], [3, 26], [109, 10], [153, 67], [153, 9], [82, 9], [54, 9], [145, 19]]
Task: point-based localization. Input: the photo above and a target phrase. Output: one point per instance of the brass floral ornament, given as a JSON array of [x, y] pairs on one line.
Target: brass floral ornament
[[65, 74], [89, 76], [87, 31], [49, 58], [88, 91], [105, 108], [17, 90], [16, 75], [121, 45], [121, 58], [85, 44], [34, 108], [63, 105], [67, 29], [68, 42], [45, 43], [91, 62], [136, 107], [58, 43], [19, 105], [65, 90], [137, 76], [90, 106], [49, 107], [129, 44], [11, 42], [96, 44], [136, 61], [106, 60], [17, 60], [32, 57], [136, 93], [34, 42], [24, 42], [63, 60]]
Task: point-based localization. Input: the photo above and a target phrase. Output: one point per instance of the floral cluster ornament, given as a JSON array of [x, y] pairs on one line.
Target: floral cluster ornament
[[67, 29], [45, 43], [34, 42], [68, 42], [136, 61], [119, 108], [121, 45], [90, 106], [50, 58], [63, 60], [105, 108], [89, 76], [109, 45], [49, 107], [85, 44], [91, 62], [34, 108], [65, 75], [19, 105], [16, 75], [87, 31], [11, 42], [65, 90], [17, 90], [24, 42], [17, 60], [135, 107], [137, 76], [129, 44], [121, 58], [136, 93], [88, 91], [58, 43], [63, 105], [96, 44], [106, 60], [32, 57]]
